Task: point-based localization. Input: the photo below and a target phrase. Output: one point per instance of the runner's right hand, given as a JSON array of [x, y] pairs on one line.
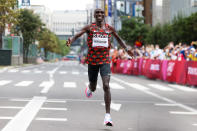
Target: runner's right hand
[[68, 42]]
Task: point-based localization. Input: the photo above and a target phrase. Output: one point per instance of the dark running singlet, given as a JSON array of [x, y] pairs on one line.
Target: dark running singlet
[[99, 42]]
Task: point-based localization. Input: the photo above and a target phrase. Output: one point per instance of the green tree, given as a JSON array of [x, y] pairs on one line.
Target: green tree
[[160, 35], [8, 15], [185, 29], [47, 41], [133, 29], [29, 25], [51, 43]]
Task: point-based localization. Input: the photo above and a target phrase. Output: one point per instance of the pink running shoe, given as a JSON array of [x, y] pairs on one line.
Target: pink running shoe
[[88, 92]]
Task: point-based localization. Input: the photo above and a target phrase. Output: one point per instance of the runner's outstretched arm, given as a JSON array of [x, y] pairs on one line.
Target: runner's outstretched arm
[[83, 30], [120, 41]]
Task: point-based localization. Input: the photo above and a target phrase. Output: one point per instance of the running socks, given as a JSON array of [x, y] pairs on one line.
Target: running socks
[[108, 120]]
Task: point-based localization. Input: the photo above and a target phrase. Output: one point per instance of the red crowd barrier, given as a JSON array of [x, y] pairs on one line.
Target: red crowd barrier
[[181, 72]]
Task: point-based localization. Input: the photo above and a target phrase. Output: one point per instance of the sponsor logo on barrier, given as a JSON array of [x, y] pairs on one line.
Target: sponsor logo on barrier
[[192, 71], [155, 67], [129, 64], [144, 63], [135, 64], [170, 68], [122, 64]]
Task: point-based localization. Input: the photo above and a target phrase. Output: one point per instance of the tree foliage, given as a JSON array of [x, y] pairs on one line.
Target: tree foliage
[[29, 25], [51, 43], [8, 15], [181, 29], [133, 29]]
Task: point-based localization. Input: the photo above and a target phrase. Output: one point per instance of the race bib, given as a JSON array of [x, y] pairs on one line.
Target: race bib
[[100, 40]]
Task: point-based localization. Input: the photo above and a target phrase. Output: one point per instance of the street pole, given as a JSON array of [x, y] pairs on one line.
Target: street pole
[[125, 7], [115, 20]]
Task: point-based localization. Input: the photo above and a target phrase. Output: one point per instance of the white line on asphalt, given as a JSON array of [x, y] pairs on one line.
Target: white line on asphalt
[[10, 107], [49, 101], [55, 101], [38, 71], [70, 85], [54, 109], [113, 106], [20, 100], [6, 118], [156, 95], [75, 72], [51, 119], [24, 83], [160, 87], [47, 85], [4, 82], [115, 86], [13, 70], [25, 71], [183, 88], [97, 86], [138, 86], [194, 124], [23, 119], [182, 113], [160, 104], [63, 72]]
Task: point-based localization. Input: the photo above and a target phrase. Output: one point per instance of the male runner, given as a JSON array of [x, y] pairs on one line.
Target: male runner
[[99, 43]]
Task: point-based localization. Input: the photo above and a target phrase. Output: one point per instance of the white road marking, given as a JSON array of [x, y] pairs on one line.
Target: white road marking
[[113, 106], [183, 113], [25, 71], [97, 86], [24, 83], [70, 85], [63, 72], [190, 109], [20, 100], [138, 86], [115, 86], [194, 124], [183, 88], [10, 107], [75, 72], [4, 82], [160, 104], [6, 118], [160, 87], [38, 72], [47, 85], [23, 119], [13, 70], [55, 109], [52, 119], [49, 101], [55, 101]]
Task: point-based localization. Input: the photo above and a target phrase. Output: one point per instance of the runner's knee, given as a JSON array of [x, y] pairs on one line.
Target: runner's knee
[[106, 87]]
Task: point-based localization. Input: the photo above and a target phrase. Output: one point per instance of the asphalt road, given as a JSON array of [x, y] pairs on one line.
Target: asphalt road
[[50, 97]]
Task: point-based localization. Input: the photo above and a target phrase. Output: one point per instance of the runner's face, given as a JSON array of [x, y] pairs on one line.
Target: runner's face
[[99, 15]]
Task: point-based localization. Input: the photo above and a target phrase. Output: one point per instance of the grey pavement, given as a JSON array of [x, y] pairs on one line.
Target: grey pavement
[[50, 97]]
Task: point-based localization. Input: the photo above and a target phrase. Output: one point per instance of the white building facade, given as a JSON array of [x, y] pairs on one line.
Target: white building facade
[[67, 23], [44, 13], [165, 11]]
